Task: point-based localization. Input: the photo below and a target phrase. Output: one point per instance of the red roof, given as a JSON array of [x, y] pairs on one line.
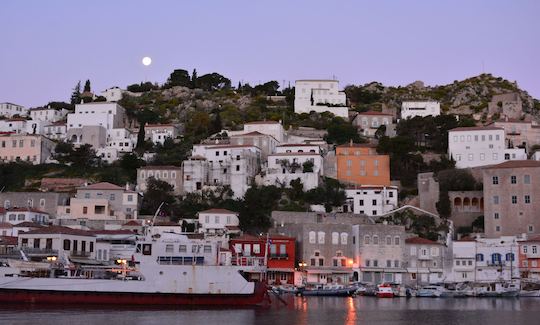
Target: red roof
[[535, 239], [26, 210], [516, 164], [374, 113], [476, 128], [102, 186], [295, 154], [60, 230], [5, 225], [233, 146], [28, 224], [132, 223], [167, 167], [422, 241], [218, 211], [8, 240]]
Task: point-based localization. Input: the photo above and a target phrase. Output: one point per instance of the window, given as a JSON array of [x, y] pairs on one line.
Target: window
[[375, 263], [375, 240], [495, 156], [527, 199], [513, 179], [527, 179], [312, 237], [514, 199], [344, 237], [479, 257], [85, 210], [67, 244], [335, 238], [207, 249], [396, 240], [496, 215], [496, 199], [182, 249], [495, 180], [112, 197], [367, 240], [130, 198], [388, 263], [534, 249], [320, 236], [531, 228], [388, 240], [525, 249], [169, 248], [256, 248], [510, 257], [396, 263]]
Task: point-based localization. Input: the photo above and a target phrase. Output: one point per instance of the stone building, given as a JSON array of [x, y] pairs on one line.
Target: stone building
[[512, 198]]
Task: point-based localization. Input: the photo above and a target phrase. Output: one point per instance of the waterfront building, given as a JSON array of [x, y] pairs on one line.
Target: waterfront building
[[218, 222], [424, 261], [511, 198], [529, 258]]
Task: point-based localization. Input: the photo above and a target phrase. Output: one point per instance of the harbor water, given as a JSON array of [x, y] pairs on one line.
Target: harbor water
[[299, 310]]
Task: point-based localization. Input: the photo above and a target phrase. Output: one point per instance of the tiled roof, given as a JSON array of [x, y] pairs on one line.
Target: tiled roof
[[28, 224], [59, 230], [111, 232], [295, 154], [515, 164], [218, 211], [5, 225], [8, 240], [101, 186], [26, 210], [160, 167], [422, 241], [374, 113], [476, 128]]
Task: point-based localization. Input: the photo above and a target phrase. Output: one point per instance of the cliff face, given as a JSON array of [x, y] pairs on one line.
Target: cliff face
[[483, 96]]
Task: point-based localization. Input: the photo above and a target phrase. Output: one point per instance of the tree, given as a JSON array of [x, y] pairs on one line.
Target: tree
[[87, 87], [340, 132], [194, 79], [82, 157], [258, 204], [307, 166], [142, 87], [130, 163], [144, 116], [76, 94], [331, 194], [157, 192], [213, 81], [178, 77], [381, 132]]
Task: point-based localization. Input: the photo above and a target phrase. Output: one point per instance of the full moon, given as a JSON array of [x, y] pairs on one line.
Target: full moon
[[147, 61]]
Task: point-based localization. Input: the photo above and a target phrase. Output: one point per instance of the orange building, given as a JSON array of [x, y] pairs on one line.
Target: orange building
[[360, 164], [529, 258]]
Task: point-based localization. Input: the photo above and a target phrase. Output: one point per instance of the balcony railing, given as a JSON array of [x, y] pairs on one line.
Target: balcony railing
[[39, 251], [496, 263], [80, 254]]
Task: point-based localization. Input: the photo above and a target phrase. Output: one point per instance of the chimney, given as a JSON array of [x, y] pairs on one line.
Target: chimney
[[127, 186], [350, 143]]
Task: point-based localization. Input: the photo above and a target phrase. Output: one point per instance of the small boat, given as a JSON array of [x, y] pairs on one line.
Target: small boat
[[328, 290], [530, 289], [432, 292], [498, 289], [385, 291]]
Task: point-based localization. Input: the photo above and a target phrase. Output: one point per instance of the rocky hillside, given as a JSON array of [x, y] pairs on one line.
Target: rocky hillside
[[466, 97]]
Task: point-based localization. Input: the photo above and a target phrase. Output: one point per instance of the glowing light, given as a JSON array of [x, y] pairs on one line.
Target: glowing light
[[147, 60], [350, 261]]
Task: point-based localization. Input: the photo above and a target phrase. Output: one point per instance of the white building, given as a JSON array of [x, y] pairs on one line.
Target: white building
[[295, 161], [10, 109], [372, 200], [57, 241], [485, 259], [320, 96], [17, 215], [56, 130], [158, 133], [47, 114], [221, 165], [13, 125], [112, 94], [272, 128], [121, 139], [420, 108], [104, 114], [218, 221], [424, 260], [480, 146]]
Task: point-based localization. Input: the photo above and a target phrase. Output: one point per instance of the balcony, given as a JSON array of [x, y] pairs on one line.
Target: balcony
[[279, 256], [497, 263], [39, 251], [80, 254]]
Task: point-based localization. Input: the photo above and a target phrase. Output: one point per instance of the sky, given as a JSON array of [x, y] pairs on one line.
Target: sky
[[47, 46]]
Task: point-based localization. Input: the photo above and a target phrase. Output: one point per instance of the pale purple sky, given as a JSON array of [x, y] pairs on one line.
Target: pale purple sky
[[47, 46]]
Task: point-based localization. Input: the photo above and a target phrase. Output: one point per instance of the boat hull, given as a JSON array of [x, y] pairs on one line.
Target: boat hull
[[81, 298], [385, 295]]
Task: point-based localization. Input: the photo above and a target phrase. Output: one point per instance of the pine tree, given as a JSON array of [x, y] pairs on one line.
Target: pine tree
[[87, 86], [194, 79], [76, 94]]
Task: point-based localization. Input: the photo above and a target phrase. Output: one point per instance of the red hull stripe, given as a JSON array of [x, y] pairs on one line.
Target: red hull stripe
[[124, 298]]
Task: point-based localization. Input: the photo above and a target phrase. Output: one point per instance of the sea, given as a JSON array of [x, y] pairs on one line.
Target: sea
[[297, 310]]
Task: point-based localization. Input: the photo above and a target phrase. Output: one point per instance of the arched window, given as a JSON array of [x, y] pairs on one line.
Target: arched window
[[312, 237], [335, 238], [457, 202], [466, 203], [479, 257], [320, 237], [510, 257], [344, 237]]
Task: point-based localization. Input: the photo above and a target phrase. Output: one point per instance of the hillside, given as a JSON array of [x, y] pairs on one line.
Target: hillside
[[465, 97]]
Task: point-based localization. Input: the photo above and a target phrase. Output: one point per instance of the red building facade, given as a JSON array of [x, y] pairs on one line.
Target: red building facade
[[279, 256]]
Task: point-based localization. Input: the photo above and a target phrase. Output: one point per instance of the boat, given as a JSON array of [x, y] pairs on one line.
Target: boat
[[166, 270], [385, 290], [328, 290], [498, 289], [530, 289], [432, 291]]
